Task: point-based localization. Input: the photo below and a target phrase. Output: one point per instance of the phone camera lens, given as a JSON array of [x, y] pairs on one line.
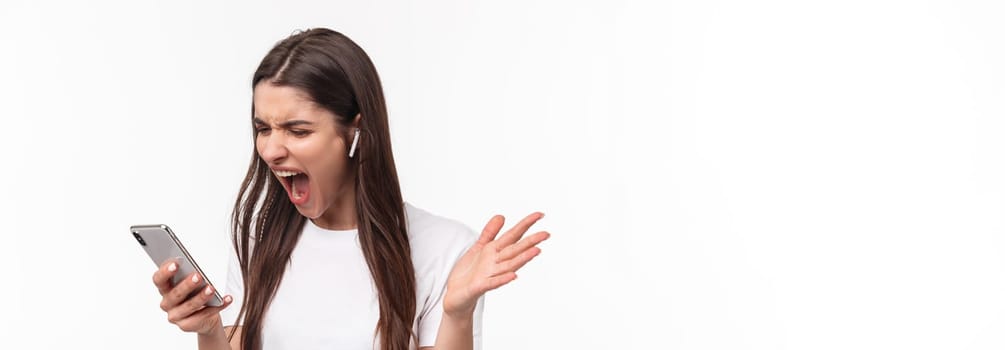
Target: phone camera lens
[[139, 239]]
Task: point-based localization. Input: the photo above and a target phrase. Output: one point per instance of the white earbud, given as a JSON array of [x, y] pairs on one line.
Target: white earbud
[[355, 140]]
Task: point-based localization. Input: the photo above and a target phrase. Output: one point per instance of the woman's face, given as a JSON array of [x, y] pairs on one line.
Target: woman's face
[[302, 144]]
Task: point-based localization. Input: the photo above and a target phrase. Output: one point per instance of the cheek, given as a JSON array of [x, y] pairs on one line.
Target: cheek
[[337, 146], [258, 147], [328, 152], [307, 151], [331, 167]]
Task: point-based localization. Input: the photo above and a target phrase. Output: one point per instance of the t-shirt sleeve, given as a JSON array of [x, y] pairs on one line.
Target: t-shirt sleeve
[[234, 288], [432, 312]]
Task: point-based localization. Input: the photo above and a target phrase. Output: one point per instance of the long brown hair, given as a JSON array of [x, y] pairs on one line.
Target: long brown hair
[[338, 76]]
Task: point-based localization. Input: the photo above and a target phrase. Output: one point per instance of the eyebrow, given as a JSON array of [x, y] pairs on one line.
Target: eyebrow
[[286, 124]]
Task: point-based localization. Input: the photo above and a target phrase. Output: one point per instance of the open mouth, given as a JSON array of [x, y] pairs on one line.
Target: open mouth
[[297, 185]]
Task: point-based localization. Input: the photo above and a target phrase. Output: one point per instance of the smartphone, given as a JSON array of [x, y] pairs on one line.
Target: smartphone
[[161, 244]]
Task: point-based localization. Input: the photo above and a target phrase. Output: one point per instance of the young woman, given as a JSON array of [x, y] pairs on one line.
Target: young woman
[[326, 252]]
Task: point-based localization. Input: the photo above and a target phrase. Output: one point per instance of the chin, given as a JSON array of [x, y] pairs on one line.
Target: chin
[[309, 210], [309, 213]]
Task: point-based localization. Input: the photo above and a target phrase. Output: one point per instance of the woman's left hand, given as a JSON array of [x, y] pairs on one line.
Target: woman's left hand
[[491, 263]]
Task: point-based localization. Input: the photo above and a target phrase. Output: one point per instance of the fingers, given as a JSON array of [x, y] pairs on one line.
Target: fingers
[[190, 306], [524, 244], [491, 229], [180, 292], [500, 280], [517, 231], [196, 320], [519, 261], [162, 278]]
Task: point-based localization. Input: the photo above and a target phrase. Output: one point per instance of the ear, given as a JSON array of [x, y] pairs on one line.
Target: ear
[[355, 121]]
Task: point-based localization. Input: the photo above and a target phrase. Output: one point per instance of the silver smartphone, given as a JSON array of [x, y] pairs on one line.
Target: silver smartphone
[[161, 244]]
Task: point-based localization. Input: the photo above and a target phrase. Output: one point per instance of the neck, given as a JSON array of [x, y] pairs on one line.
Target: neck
[[341, 215]]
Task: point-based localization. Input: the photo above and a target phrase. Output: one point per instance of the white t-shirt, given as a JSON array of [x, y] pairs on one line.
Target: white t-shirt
[[327, 299]]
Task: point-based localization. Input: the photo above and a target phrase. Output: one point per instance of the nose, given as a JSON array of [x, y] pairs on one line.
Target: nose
[[272, 148]]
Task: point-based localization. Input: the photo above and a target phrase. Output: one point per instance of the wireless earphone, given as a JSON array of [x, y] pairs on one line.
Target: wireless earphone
[[355, 140]]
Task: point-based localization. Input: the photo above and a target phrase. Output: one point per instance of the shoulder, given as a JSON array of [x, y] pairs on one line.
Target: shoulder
[[432, 236]]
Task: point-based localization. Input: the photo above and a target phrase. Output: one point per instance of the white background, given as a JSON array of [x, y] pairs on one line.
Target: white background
[[716, 174]]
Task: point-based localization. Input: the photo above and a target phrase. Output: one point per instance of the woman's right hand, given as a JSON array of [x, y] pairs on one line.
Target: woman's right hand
[[189, 314]]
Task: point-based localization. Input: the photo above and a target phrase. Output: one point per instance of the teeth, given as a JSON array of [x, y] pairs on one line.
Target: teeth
[[282, 173]]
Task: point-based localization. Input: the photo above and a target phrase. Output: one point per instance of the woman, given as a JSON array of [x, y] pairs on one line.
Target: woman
[[326, 253]]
